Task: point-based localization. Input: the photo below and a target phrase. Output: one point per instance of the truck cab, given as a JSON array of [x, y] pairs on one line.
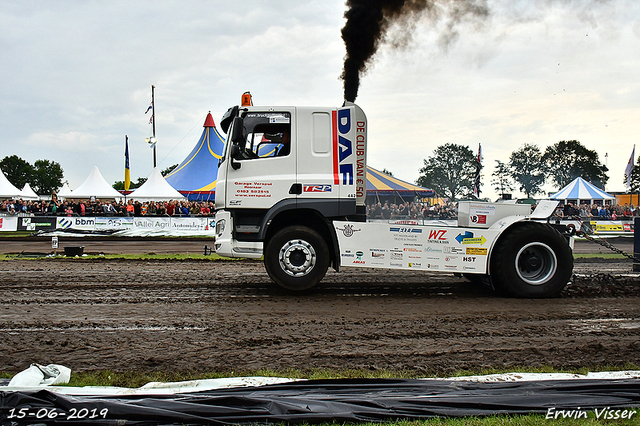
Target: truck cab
[[289, 165]]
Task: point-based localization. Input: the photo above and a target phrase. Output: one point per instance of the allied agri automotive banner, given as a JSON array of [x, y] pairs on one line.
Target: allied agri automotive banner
[[201, 225]]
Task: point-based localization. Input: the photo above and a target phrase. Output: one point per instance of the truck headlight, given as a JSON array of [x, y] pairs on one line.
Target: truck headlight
[[220, 227]]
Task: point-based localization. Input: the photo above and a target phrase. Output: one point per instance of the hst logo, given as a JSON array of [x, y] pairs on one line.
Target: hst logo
[[317, 188]]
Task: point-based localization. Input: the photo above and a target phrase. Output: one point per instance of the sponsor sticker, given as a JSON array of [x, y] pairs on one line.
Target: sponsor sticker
[[478, 218], [316, 188], [468, 238], [406, 230], [481, 251], [453, 250], [348, 230]]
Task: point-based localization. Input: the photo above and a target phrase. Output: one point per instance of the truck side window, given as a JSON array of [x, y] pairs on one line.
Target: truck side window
[[271, 140]]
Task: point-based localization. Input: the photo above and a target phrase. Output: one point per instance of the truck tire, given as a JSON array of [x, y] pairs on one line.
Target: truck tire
[[532, 260], [296, 258]]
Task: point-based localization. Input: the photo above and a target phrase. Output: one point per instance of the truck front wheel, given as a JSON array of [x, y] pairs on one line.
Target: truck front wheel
[[532, 260], [296, 258]]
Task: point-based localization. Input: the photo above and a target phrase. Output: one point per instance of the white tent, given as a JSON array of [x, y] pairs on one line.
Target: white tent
[[28, 193], [7, 190], [580, 191], [156, 188], [65, 191], [94, 186]]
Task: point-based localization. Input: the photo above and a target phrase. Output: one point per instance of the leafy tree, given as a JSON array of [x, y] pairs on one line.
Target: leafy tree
[[502, 181], [168, 170], [18, 171], [119, 184], [450, 172], [567, 160], [47, 176], [527, 167]]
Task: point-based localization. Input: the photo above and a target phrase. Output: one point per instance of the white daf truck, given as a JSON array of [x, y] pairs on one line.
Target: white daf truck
[[292, 188]]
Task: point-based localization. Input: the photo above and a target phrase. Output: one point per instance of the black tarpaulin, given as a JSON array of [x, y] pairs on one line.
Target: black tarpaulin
[[315, 401]]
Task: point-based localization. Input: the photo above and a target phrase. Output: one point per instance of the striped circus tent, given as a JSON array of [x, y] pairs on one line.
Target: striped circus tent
[[580, 191], [197, 175], [382, 185]]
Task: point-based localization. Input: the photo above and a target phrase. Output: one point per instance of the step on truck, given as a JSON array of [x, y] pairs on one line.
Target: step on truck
[[292, 188]]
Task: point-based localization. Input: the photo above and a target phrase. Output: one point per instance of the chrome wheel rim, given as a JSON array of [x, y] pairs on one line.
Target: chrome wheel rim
[[297, 258], [536, 263]]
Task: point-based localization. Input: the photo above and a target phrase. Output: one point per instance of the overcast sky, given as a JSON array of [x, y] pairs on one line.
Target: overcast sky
[[76, 76]]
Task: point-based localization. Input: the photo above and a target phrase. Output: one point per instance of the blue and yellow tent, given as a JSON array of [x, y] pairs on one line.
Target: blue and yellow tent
[[382, 185], [197, 175]]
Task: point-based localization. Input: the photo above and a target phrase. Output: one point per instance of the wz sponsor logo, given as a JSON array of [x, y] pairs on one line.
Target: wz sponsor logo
[[438, 236], [317, 188]]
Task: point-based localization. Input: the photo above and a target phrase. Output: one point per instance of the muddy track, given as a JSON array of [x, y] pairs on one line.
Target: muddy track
[[227, 316]]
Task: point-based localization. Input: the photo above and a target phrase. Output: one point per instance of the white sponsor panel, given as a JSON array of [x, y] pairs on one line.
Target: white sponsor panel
[[415, 247], [192, 224], [8, 223], [151, 223], [76, 222], [113, 223]]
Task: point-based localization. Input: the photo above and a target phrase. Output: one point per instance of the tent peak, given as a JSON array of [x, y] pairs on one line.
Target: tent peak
[[208, 122]]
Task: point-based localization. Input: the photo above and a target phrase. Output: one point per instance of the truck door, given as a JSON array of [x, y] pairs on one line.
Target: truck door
[[265, 167]]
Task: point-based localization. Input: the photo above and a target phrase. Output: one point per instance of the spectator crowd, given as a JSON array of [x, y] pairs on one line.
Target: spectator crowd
[[379, 210], [412, 210], [71, 207], [595, 211]]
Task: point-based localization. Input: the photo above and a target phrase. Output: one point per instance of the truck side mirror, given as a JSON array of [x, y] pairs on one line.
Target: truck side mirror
[[237, 134], [235, 154], [228, 116]]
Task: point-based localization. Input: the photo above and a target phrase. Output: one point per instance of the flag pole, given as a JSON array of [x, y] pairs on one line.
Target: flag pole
[[153, 121]]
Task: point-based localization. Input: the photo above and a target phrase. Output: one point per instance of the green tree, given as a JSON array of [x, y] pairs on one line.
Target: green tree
[[119, 184], [168, 170], [450, 171], [502, 181], [527, 167], [18, 171], [47, 176], [567, 160]]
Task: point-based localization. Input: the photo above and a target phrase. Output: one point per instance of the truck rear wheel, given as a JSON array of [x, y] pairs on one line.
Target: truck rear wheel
[[532, 260], [296, 258]]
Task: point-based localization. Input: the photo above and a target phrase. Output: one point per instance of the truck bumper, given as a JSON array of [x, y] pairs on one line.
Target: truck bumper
[[228, 246]]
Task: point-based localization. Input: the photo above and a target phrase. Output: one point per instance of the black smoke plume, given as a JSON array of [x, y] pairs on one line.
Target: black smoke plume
[[368, 22]]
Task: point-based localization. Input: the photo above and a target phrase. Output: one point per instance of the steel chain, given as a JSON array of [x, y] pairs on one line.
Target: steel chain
[[583, 232]]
